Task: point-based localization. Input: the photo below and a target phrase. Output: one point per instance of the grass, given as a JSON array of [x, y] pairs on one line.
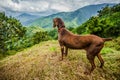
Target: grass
[[41, 62], [107, 50]]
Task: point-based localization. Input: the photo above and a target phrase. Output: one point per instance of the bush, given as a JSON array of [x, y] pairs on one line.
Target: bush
[[40, 36], [114, 44]]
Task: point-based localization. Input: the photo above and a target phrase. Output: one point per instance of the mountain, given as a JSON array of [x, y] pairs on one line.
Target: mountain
[[25, 18], [71, 19]]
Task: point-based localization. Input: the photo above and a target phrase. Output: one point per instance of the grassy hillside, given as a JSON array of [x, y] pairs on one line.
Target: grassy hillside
[[41, 62]]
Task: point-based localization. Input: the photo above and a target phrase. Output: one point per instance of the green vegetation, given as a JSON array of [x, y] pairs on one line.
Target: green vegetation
[[106, 24], [36, 35], [11, 31], [53, 33], [14, 37]]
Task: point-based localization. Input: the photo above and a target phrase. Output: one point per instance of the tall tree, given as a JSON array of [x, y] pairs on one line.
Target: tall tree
[[11, 30]]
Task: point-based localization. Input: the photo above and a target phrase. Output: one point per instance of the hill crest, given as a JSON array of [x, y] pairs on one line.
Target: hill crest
[[41, 62]]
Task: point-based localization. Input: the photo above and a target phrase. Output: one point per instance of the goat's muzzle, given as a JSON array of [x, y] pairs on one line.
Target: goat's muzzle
[[54, 25]]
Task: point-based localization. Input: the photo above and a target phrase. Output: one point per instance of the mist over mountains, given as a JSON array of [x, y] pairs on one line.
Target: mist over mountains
[[71, 19]]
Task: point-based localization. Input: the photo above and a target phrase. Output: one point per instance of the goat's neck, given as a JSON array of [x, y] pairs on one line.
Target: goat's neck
[[60, 28]]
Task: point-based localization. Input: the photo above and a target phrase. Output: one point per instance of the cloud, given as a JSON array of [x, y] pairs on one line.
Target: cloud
[[60, 7], [45, 5], [25, 5]]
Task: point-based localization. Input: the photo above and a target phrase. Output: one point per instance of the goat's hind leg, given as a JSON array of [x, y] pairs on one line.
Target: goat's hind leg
[[101, 60], [91, 60]]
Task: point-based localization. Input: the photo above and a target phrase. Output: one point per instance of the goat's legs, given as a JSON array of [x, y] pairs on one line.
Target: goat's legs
[[62, 52], [91, 60], [101, 60], [92, 65], [66, 51]]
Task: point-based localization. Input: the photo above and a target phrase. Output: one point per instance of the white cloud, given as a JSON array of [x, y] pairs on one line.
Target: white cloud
[[25, 5], [44, 5], [60, 7]]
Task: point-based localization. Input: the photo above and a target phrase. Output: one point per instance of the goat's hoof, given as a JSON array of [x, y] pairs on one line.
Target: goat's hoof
[[101, 66], [87, 73], [60, 59]]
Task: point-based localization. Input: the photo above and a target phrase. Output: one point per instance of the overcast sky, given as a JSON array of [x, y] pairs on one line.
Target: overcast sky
[[45, 5]]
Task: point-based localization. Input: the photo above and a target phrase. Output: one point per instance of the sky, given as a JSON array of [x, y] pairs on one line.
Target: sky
[[34, 6]]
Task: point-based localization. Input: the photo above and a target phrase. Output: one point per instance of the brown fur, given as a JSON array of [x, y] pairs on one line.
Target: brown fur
[[91, 43]]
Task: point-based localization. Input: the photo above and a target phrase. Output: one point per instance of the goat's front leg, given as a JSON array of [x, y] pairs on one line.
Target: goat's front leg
[[66, 51], [62, 52]]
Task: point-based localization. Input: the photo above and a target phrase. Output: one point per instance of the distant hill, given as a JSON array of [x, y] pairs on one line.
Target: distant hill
[[71, 19], [32, 30], [26, 18]]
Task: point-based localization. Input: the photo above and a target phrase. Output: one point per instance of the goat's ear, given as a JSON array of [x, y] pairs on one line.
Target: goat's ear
[[54, 23]]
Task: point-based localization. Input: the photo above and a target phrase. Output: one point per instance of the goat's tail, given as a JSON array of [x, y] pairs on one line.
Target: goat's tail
[[107, 39]]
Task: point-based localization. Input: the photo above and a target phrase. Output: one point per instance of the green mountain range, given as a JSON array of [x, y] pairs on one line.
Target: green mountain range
[[71, 19]]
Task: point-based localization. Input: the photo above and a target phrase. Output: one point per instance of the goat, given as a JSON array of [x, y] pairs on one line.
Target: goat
[[92, 44]]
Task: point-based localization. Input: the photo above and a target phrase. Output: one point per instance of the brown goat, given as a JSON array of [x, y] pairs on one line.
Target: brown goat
[[91, 43]]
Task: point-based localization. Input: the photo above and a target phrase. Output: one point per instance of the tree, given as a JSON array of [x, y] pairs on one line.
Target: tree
[[40, 36], [104, 11], [11, 30], [116, 8]]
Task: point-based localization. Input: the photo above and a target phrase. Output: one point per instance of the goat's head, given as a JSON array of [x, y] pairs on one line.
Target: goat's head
[[58, 22]]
